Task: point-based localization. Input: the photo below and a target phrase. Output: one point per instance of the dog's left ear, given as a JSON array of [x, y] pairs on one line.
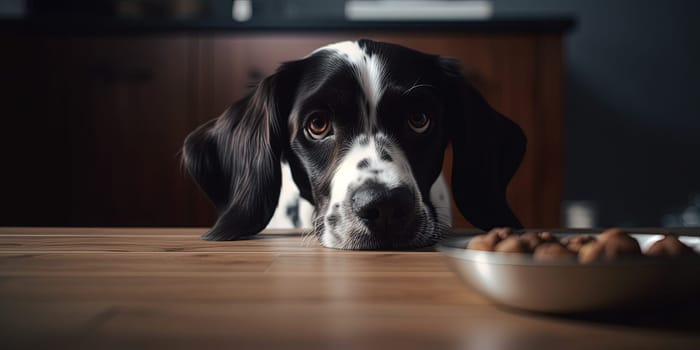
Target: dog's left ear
[[487, 150], [235, 158]]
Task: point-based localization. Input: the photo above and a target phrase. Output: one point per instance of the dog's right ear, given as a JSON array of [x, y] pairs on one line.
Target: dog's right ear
[[488, 149], [235, 158]]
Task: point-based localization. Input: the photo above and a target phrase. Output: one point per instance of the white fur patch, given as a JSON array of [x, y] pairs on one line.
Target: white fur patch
[[350, 175], [369, 70], [440, 198], [292, 210], [391, 174]]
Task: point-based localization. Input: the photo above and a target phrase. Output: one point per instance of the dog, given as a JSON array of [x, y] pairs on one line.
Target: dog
[[361, 127]]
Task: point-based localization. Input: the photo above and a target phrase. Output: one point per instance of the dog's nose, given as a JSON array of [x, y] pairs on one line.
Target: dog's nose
[[383, 210]]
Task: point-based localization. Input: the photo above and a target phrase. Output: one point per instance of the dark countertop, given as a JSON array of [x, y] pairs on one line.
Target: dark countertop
[[92, 26]]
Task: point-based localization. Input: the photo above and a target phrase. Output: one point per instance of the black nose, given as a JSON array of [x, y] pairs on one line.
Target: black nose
[[383, 210]]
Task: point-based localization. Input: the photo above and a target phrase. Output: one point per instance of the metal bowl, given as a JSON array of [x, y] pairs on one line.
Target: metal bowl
[[518, 281]]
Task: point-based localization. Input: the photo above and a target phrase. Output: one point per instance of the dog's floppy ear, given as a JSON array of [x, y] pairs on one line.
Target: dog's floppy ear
[[235, 158], [488, 148]]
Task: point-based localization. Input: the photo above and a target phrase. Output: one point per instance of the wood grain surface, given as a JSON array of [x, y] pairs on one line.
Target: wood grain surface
[[166, 288]]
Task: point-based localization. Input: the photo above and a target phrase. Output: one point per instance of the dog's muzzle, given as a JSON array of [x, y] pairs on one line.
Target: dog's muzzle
[[388, 213]]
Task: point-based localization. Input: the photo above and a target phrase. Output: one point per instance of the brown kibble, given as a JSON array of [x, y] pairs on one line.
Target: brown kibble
[[512, 244], [501, 232], [610, 245], [609, 233], [591, 252], [575, 243], [480, 242], [553, 251], [619, 245], [669, 246], [531, 239], [614, 245], [493, 237], [547, 237], [489, 240]]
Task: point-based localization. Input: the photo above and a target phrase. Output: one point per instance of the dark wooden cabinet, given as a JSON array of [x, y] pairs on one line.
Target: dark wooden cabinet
[[129, 109], [105, 118], [96, 122], [34, 149]]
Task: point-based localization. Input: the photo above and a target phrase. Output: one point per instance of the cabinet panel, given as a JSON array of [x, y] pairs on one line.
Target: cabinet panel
[[128, 102], [34, 176]]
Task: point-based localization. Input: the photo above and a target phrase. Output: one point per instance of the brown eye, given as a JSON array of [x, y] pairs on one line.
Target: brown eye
[[419, 122], [318, 126]]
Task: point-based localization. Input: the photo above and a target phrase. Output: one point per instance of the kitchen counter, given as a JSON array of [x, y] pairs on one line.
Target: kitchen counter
[[166, 288]]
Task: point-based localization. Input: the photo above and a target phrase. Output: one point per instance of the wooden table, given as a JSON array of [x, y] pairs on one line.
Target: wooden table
[[166, 288]]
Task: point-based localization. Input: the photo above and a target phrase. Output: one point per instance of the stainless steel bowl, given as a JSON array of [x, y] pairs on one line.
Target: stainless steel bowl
[[518, 281]]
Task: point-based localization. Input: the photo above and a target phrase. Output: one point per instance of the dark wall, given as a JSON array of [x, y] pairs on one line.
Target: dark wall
[[633, 102]]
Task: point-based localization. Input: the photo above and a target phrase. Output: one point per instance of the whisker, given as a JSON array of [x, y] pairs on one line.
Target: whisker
[[417, 86]]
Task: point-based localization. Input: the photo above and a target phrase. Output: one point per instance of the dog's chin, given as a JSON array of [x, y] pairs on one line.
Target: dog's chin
[[422, 235]]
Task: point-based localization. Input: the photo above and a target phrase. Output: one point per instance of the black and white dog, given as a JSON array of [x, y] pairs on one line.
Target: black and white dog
[[362, 127]]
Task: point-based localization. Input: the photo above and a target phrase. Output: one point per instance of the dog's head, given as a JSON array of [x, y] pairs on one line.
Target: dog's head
[[363, 126]]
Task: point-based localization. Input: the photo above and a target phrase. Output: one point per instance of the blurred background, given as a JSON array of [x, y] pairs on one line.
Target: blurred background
[[99, 95]]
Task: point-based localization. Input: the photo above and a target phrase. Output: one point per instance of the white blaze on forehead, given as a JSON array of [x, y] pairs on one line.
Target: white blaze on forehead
[[369, 70]]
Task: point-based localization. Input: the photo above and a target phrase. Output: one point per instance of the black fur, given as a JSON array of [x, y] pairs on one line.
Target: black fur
[[488, 149], [235, 158]]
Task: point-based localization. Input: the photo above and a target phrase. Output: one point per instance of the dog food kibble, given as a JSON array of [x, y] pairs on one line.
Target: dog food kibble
[[531, 239], [591, 252], [610, 233], [492, 238], [502, 232], [669, 246], [480, 243], [547, 237], [513, 244], [553, 251], [489, 240], [619, 245], [576, 242], [610, 245]]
